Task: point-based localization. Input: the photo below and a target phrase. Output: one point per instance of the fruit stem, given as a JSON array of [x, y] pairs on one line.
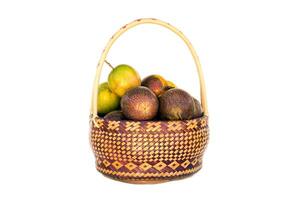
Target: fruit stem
[[109, 64]]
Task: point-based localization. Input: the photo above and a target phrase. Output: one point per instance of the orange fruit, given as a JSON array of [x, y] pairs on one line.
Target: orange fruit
[[155, 83]]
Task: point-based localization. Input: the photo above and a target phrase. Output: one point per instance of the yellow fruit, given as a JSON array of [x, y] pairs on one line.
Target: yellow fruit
[[170, 84], [107, 100], [123, 78]]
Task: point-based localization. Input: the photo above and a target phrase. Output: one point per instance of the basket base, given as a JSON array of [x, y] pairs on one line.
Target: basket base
[[138, 181], [151, 181]]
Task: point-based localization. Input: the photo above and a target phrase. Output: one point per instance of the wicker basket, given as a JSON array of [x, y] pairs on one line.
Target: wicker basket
[[148, 151]]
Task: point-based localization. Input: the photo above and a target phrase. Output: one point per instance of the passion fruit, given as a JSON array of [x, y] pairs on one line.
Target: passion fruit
[[139, 103], [115, 115], [176, 104]]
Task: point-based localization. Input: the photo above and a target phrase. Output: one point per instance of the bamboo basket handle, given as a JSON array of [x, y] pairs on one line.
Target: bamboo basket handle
[[129, 26]]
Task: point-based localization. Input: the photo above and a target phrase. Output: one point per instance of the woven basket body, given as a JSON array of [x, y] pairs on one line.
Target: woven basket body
[[149, 150]]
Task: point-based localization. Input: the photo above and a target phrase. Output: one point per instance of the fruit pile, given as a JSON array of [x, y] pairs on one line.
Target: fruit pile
[[126, 97]]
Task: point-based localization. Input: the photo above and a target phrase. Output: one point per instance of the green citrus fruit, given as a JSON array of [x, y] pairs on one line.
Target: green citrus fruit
[[123, 78], [107, 100]]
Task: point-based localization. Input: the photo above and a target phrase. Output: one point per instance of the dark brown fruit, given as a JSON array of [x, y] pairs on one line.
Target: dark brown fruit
[[115, 115], [198, 109], [139, 103], [155, 83], [176, 104]]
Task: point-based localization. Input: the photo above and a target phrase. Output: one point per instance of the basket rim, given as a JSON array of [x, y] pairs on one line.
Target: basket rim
[[203, 117]]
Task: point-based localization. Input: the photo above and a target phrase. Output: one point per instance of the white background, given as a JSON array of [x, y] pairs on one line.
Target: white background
[[48, 54]]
